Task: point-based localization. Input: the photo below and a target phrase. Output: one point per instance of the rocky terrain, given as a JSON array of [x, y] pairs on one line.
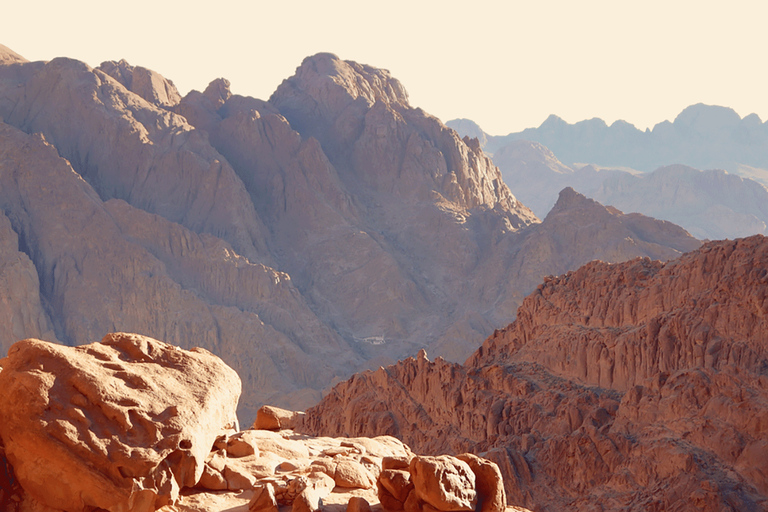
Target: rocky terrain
[[701, 136], [634, 386], [709, 204], [133, 424], [330, 229]]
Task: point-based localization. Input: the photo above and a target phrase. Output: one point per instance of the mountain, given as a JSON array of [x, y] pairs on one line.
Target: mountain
[[330, 229], [639, 386], [701, 136], [709, 204]]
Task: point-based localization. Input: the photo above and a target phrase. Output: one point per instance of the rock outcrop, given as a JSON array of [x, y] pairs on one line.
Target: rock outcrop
[[122, 424], [639, 386], [133, 424]]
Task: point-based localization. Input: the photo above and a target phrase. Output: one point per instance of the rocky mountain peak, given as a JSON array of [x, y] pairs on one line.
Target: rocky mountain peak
[[569, 199], [218, 91], [707, 119], [333, 83], [148, 84]]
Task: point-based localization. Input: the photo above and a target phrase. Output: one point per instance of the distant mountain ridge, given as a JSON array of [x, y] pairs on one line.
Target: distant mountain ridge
[[701, 136], [710, 204]]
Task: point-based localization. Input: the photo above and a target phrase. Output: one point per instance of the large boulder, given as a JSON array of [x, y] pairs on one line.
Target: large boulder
[[118, 425], [444, 482]]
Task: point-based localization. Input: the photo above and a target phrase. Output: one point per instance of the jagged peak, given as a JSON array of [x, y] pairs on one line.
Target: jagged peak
[[333, 83], [570, 199], [218, 91]]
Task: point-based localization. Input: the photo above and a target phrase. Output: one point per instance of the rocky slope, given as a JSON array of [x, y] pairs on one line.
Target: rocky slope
[[709, 204], [701, 136], [330, 229], [635, 386], [134, 424]]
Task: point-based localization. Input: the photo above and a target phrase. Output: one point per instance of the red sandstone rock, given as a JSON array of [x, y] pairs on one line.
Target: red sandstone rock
[[120, 425], [685, 432]]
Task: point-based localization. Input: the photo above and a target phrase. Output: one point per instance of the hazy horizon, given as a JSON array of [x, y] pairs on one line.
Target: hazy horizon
[[505, 65]]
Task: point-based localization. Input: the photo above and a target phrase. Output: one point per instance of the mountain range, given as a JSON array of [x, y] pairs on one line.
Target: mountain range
[[327, 230], [701, 136]]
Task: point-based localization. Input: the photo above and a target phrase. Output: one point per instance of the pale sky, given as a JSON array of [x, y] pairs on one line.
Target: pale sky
[[507, 65]]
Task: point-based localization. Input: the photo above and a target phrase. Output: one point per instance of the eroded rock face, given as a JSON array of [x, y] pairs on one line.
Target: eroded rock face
[[670, 413], [120, 425], [617, 325]]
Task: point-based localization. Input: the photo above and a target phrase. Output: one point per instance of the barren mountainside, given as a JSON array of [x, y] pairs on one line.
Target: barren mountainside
[[639, 386], [330, 229]]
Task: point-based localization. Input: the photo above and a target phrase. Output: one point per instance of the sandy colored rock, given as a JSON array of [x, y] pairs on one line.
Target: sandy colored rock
[[489, 483], [275, 418], [263, 499], [350, 473], [358, 504], [132, 422], [444, 482]]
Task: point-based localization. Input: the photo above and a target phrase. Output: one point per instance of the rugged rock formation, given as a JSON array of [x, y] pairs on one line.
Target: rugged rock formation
[[709, 204], [638, 386], [617, 325], [117, 425]]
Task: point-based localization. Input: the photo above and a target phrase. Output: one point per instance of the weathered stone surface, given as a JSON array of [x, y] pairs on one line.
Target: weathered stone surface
[[616, 325], [352, 474], [263, 499], [121, 424], [444, 482], [275, 418], [489, 483]]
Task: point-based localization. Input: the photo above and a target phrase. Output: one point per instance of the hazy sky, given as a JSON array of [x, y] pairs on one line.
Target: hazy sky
[[505, 64]]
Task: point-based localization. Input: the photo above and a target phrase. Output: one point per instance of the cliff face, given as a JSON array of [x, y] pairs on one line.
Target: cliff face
[[330, 229], [640, 385]]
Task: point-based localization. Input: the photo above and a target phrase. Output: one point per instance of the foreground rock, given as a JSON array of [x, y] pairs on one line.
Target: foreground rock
[[638, 386], [133, 424], [119, 425]]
